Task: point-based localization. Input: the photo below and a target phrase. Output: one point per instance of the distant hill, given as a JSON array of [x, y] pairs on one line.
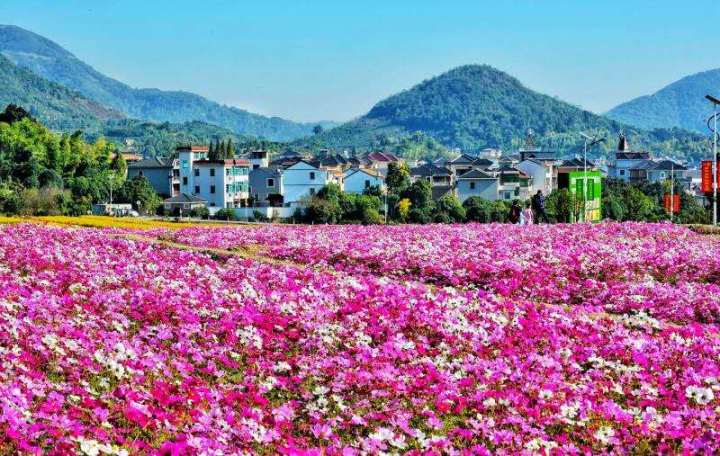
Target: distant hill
[[476, 106], [52, 104], [681, 104], [52, 62]]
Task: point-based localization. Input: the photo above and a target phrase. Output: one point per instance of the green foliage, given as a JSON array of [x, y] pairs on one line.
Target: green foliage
[[225, 214], [46, 173], [420, 195], [398, 177], [623, 201], [138, 192], [449, 210], [481, 210]]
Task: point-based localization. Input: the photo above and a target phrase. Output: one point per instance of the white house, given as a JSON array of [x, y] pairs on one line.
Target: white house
[[477, 183], [222, 183], [301, 180], [356, 180], [541, 172]]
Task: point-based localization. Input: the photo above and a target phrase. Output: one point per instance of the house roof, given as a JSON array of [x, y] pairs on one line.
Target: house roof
[[506, 169], [193, 148], [483, 163], [314, 164], [538, 154], [429, 170], [185, 198], [369, 172], [476, 174], [667, 165], [334, 160], [576, 163], [463, 159], [157, 162], [226, 162], [639, 155], [382, 157], [642, 164]]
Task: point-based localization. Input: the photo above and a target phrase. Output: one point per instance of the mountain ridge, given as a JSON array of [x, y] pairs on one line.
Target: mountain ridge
[[473, 107], [54, 63], [679, 104]]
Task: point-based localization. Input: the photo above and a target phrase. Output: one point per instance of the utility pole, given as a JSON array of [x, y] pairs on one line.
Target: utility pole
[[672, 190], [592, 141], [715, 103]]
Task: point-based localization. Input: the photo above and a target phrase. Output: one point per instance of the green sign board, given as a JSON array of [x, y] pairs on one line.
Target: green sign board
[[591, 184]]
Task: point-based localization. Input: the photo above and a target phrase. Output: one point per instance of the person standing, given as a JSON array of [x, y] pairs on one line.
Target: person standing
[[538, 205], [515, 212], [526, 216]]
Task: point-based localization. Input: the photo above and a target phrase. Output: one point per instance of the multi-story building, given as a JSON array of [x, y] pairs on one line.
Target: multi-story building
[[222, 183]]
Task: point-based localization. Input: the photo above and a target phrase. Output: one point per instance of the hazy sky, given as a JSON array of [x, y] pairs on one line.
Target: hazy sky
[[313, 60]]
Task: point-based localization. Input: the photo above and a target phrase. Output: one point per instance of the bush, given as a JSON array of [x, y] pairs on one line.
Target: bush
[[225, 214], [200, 212], [450, 207]]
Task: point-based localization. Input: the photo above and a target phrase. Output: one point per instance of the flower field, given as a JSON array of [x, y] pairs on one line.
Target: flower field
[[467, 339]]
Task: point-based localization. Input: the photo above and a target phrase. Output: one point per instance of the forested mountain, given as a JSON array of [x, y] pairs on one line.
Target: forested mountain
[[681, 104], [53, 104], [476, 106], [52, 62]]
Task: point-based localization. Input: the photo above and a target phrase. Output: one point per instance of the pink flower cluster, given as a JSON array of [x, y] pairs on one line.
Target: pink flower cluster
[[117, 346], [665, 269]]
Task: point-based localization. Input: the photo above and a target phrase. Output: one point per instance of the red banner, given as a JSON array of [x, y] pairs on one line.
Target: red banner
[[706, 173], [675, 203], [706, 176]]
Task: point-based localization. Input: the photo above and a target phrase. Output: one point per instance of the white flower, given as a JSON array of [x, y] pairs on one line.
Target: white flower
[[700, 395], [604, 434]]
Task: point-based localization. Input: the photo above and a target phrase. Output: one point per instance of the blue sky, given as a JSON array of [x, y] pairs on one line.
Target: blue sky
[[313, 60]]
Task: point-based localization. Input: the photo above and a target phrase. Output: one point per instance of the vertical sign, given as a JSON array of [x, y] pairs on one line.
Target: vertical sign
[[706, 175], [675, 203]]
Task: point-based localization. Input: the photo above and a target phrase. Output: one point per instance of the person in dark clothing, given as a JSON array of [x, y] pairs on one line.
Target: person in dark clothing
[[515, 211], [538, 205]]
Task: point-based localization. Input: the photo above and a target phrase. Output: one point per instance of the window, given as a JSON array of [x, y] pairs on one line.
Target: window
[[312, 176], [212, 172], [184, 180], [212, 189], [228, 189], [472, 185], [622, 172], [312, 191], [197, 172], [367, 183], [141, 173], [197, 189], [184, 164], [227, 171], [271, 182], [256, 166]]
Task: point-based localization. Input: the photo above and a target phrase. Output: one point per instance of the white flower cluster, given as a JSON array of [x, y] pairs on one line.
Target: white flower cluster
[[605, 434], [113, 361], [249, 336], [700, 395], [91, 447]]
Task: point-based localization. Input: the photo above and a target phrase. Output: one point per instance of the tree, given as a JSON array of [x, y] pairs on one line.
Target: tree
[[212, 152], [448, 207], [230, 150], [318, 129], [398, 177], [403, 209], [478, 209], [14, 113], [138, 192]]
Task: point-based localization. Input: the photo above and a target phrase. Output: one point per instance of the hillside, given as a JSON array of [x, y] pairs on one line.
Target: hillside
[[681, 104], [53, 104], [476, 106], [52, 62]]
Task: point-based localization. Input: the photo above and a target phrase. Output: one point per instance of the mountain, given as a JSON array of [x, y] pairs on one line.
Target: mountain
[[52, 62], [476, 106], [681, 104], [54, 105]]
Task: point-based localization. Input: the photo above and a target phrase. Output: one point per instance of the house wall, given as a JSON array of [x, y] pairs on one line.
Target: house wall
[[355, 182], [159, 178], [223, 176], [258, 184], [484, 188], [297, 182], [540, 174]]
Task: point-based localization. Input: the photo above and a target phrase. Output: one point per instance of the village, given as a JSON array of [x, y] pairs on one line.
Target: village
[[276, 186]]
